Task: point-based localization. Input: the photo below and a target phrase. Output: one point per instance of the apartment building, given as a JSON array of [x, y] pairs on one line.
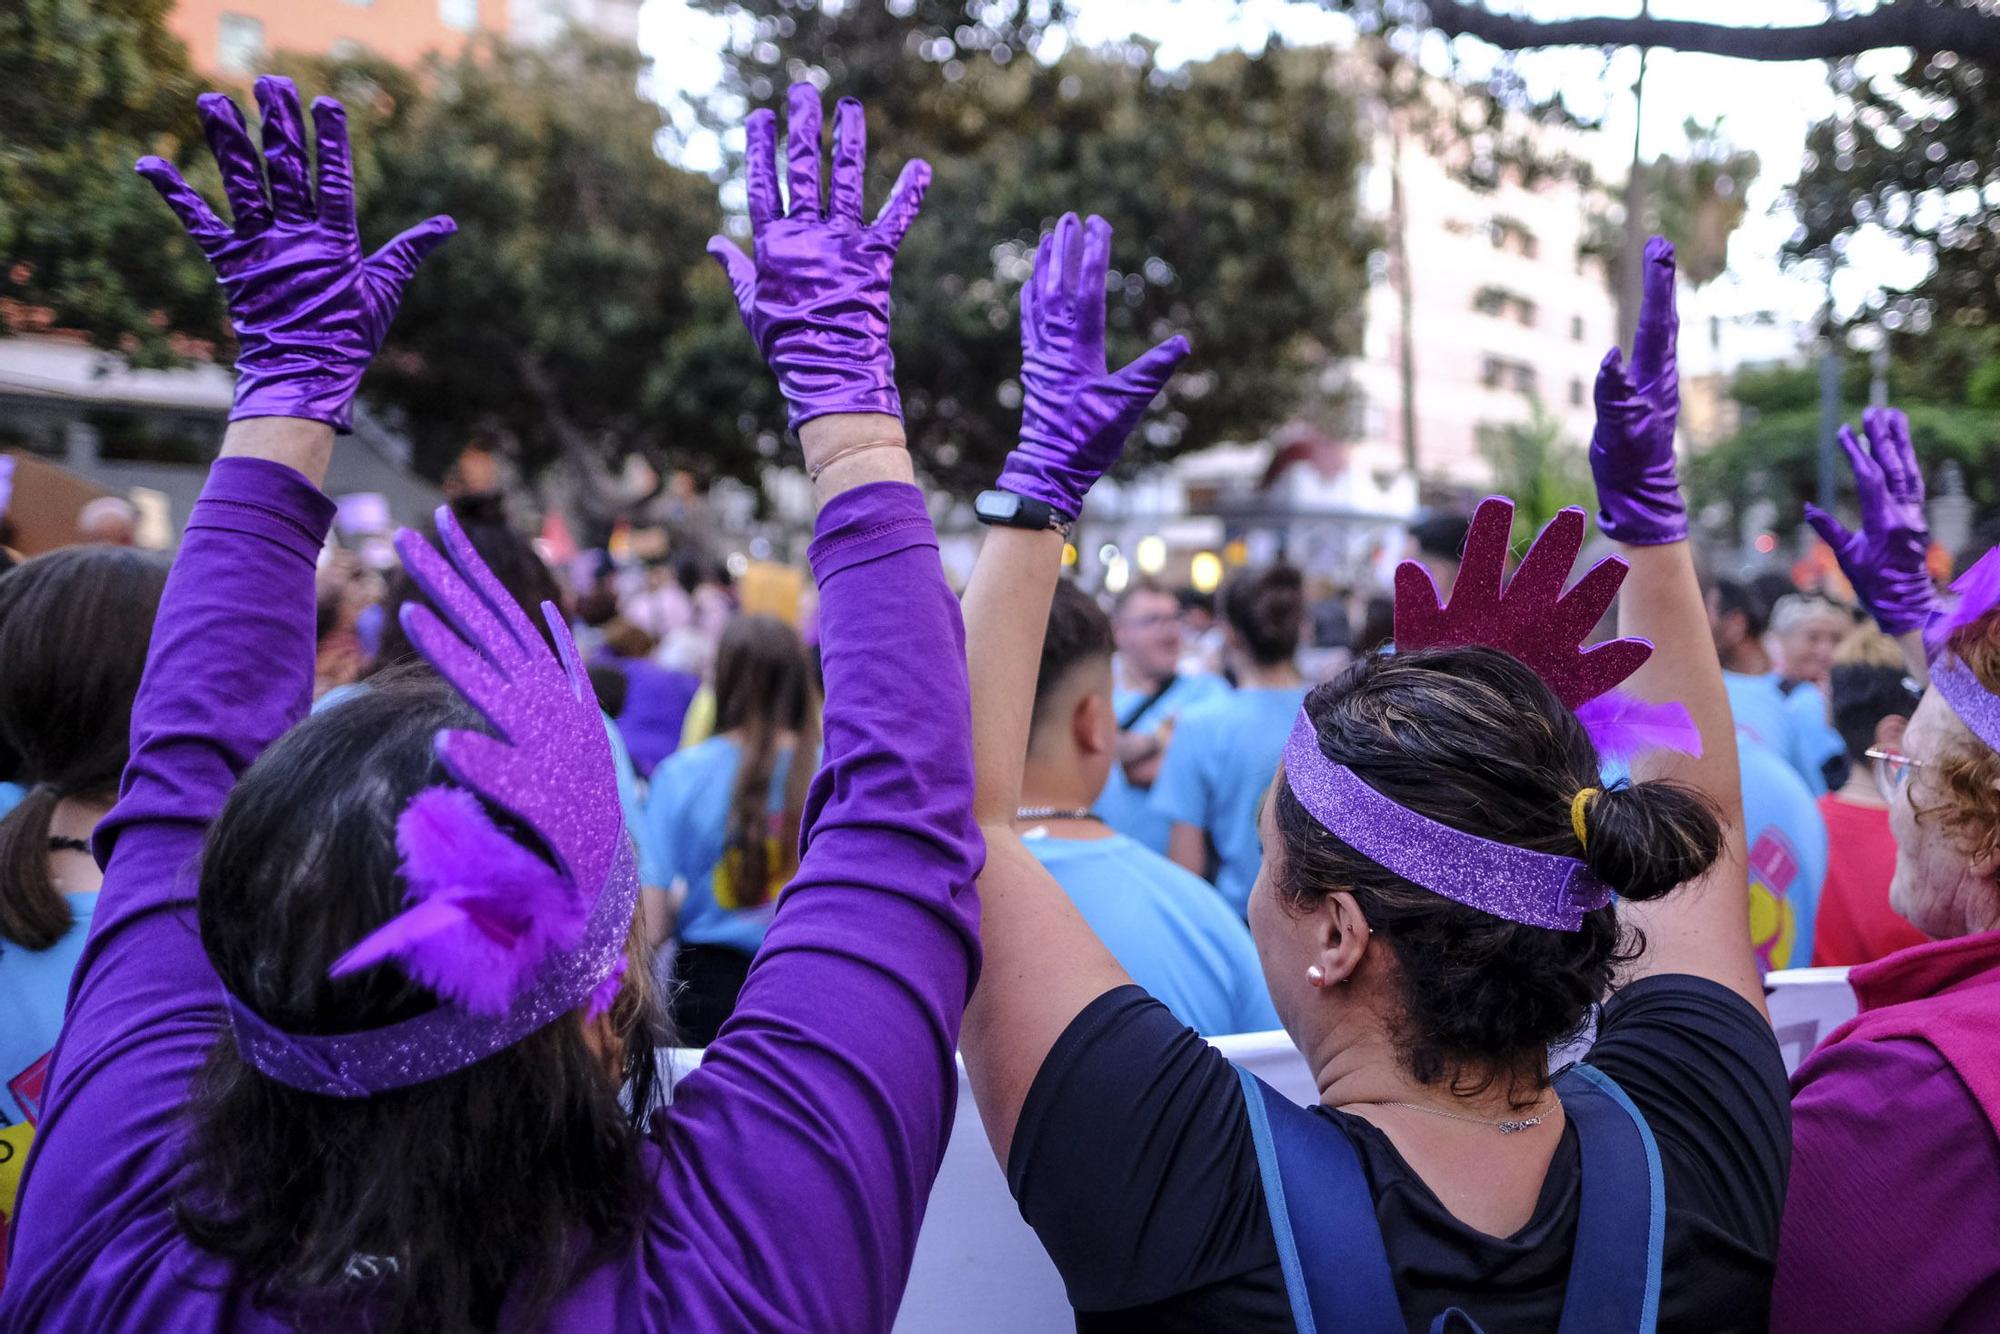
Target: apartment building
[[232, 37]]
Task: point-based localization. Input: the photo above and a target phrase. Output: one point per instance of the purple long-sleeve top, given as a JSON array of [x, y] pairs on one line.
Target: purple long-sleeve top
[[792, 1168]]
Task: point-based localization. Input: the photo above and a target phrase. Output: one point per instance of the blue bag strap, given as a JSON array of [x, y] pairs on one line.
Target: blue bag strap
[[1336, 1271], [1614, 1274]]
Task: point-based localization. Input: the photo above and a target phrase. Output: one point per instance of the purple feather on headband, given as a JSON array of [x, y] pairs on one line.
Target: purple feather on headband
[[1622, 726], [1978, 592], [484, 911]]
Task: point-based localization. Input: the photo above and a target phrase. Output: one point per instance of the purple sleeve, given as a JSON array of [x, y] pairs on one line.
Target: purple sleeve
[[230, 668], [799, 1157], [1895, 1171]]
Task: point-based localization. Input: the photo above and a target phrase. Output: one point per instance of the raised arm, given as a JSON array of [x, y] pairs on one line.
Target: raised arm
[[799, 1157], [231, 661], [1043, 963], [1704, 927], [1886, 561]]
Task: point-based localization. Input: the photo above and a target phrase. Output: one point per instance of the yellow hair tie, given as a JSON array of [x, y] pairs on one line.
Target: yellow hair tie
[[1578, 805]]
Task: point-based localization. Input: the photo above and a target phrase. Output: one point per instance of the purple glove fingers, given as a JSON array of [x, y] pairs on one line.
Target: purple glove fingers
[[893, 222], [284, 131], [850, 161], [336, 166], [242, 177], [1096, 266], [207, 230], [760, 169], [1146, 377], [802, 151], [1653, 342], [1638, 404], [397, 261], [1889, 433], [1870, 482]]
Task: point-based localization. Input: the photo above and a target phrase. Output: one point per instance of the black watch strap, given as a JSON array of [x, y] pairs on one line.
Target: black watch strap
[[1008, 509]]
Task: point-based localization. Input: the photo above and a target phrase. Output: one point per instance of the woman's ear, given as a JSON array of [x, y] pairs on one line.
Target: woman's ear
[[1343, 934], [1889, 732]]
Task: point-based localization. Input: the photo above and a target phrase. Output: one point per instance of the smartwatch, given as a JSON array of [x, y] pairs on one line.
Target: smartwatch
[[1008, 510]]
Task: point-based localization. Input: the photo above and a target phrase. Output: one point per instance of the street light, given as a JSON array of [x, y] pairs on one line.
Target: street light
[[1205, 571]]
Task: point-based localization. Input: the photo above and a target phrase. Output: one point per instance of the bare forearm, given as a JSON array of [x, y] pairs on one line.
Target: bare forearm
[[1915, 657], [1006, 613], [1703, 927], [304, 446], [864, 447]]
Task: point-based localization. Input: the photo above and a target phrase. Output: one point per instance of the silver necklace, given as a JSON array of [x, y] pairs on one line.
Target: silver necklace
[[1510, 1126], [1055, 813]]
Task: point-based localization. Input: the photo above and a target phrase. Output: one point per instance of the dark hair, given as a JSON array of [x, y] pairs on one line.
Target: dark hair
[[1267, 609], [74, 626], [1378, 624], [510, 556], [1442, 536], [1471, 738], [1078, 632], [1191, 598], [426, 1206], [763, 686], [1861, 696], [1734, 597], [1769, 586]]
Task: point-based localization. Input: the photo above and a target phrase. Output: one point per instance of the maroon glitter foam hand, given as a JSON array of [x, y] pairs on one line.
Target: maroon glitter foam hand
[[1528, 616]]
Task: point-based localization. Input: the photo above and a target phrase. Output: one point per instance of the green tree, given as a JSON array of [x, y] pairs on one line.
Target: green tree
[[1774, 456], [1230, 186], [1538, 468], [574, 316], [86, 88], [1912, 153]]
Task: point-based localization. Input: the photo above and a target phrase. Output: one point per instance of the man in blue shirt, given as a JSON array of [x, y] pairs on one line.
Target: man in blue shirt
[[1738, 618], [1149, 695], [1165, 926]]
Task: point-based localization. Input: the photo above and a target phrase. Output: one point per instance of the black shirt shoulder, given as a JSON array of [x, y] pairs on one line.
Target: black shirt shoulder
[[1134, 1162]]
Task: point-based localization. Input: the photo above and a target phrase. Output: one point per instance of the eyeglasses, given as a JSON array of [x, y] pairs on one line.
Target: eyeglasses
[[1154, 622], [1896, 766]]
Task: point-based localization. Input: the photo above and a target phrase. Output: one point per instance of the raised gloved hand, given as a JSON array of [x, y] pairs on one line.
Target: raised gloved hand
[[816, 294], [1632, 449], [1885, 560], [1075, 414], [310, 311]]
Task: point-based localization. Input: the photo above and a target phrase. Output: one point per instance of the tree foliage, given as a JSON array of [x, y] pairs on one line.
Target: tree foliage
[[86, 88], [574, 316], [1230, 186], [1912, 153], [1774, 456]]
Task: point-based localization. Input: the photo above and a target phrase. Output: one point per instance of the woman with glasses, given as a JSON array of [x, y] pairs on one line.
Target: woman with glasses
[[1894, 1117]]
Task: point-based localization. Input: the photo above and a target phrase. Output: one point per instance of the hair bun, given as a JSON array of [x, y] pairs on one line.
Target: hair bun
[[1645, 839]]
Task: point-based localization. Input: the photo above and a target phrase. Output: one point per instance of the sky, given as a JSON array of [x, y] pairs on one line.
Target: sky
[[1764, 107]]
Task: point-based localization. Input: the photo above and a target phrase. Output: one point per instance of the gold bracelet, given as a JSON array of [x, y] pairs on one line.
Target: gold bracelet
[[845, 451]]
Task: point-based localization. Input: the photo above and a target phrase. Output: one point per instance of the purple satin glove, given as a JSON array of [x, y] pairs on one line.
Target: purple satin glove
[[1075, 415], [1632, 450], [816, 297], [1885, 561], [310, 311]]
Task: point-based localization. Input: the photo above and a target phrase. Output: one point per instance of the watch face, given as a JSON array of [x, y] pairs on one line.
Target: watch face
[[1000, 506]]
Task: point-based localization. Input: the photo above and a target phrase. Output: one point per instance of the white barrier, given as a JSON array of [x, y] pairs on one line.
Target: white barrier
[[980, 1270]]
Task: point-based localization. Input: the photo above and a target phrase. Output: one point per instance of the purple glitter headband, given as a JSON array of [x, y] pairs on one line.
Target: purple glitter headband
[[1521, 885], [507, 944], [1531, 617]]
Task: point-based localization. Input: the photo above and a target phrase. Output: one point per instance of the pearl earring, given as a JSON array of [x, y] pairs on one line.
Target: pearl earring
[[1316, 975]]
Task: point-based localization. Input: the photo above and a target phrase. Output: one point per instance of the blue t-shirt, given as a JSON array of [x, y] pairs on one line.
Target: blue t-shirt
[[1124, 807], [34, 988], [687, 822], [1760, 709], [1786, 836], [1167, 928], [1224, 754], [1813, 737], [10, 797]]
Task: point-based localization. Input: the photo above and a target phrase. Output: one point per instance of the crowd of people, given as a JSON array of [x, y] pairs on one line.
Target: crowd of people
[[342, 916]]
